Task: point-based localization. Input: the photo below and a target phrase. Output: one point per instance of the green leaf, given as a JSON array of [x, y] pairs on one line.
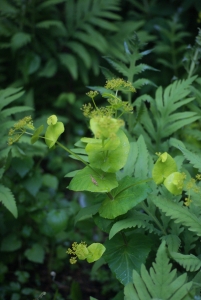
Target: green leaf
[[69, 61], [10, 243], [57, 219], [129, 193], [22, 166], [50, 181], [20, 39], [36, 134], [164, 166], [111, 156], [52, 133], [189, 262], [160, 282], [137, 219], [35, 254], [178, 213], [86, 212], [141, 166], [93, 180], [8, 200], [96, 250], [125, 254]]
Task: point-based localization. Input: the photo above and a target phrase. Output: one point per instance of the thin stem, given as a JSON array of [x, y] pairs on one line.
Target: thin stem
[[124, 237], [144, 207]]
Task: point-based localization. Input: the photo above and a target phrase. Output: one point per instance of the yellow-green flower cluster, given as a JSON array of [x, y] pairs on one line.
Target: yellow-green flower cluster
[[19, 129], [117, 84], [78, 251], [92, 94], [90, 112]]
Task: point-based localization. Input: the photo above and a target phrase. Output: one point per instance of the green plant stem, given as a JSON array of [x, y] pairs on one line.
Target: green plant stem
[[192, 66], [144, 207]]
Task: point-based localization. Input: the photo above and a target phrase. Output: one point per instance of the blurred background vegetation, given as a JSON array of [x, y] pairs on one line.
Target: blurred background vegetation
[[50, 51]]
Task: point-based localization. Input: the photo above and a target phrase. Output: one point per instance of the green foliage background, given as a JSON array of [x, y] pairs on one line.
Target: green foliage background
[[49, 52]]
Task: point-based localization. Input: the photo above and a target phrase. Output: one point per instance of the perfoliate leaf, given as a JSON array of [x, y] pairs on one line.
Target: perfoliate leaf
[[93, 180], [125, 254], [52, 133], [111, 156], [96, 250], [128, 194], [8, 200], [164, 166]]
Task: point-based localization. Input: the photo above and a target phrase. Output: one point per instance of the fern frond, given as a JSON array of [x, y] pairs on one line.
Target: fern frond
[[8, 200], [160, 282], [8, 95], [189, 262], [138, 219], [178, 213], [141, 165]]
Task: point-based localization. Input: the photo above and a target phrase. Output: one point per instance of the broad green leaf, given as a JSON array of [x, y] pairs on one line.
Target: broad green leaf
[[50, 181], [57, 219], [93, 180], [96, 250], [10, 243], [36, 134], [164, 166], [8, 200], [123, 254], [128, 194], [22, 166], [20, 39], [52, 133], [35, 254]]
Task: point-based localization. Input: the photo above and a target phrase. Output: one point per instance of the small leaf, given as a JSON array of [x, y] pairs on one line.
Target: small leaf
[[93, 180], [52, 133], [36, 134], [36, 253]]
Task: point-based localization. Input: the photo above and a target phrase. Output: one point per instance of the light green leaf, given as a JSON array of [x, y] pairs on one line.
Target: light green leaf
[[124, 257], [35, 254], [8, 200], [52, 133], [189, 262], [127, 195], [111, 156], [36, 134], [141, 166], [93, 180], [96, 250], [164, 166]]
